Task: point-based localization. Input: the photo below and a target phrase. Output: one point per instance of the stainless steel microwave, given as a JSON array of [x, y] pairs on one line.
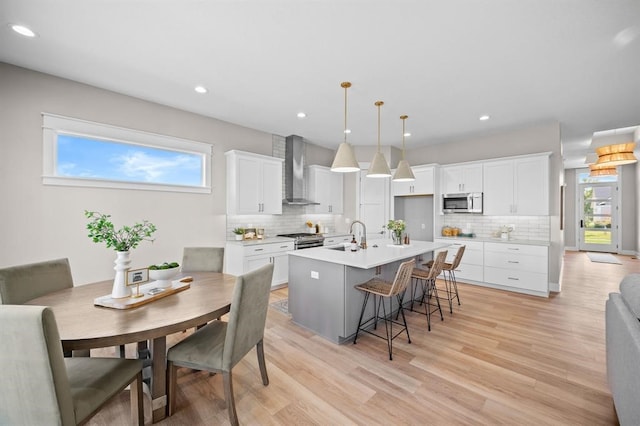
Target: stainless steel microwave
[[469, 202]]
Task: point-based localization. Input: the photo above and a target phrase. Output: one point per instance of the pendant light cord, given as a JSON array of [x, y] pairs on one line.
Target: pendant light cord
[[346, 85], [403, 118], [379, 104]]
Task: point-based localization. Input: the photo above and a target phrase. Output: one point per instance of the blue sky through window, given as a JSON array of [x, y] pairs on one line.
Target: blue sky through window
[[82, 157]]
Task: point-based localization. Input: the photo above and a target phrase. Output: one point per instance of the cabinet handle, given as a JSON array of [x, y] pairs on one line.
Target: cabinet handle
[[513, 248], [512, 261], [513, 279], [284, 246], [258, 249]]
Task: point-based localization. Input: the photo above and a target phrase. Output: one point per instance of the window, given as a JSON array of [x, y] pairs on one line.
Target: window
[[82, 153]]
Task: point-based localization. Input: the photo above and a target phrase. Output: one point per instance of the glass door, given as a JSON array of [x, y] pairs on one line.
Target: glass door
[[598, 222]]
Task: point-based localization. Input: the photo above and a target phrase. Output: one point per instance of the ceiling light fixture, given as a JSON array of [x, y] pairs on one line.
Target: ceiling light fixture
[[594, 171], [403, 171], [345, 159], [301, 115], [484, 117], [22, 30], [379, 167], [616, 154], [200, 89]]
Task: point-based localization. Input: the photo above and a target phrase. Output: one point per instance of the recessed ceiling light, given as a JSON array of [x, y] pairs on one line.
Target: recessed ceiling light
[[200, 89], [347, 131], [484, 117], [301, 114], [22, 30], [407, 134]]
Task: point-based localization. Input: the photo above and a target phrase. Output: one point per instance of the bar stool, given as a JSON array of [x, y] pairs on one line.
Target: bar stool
[[428, 280], [450, 283], [381, 289]]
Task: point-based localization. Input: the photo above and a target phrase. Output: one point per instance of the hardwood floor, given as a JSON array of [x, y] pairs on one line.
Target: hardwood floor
[[501, 358]]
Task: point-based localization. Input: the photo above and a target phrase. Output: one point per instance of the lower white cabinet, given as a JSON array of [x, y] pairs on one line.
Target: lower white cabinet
[[240, 258], [520, 266], [472, 262]]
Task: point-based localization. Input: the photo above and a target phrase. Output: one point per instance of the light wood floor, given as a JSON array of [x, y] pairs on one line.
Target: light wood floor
[[501, 358]]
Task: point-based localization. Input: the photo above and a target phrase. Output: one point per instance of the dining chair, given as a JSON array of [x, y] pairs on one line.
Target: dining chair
[[220, 345], [427, 279], [202, 259], [385, 290], [46, 388], [19, 284]]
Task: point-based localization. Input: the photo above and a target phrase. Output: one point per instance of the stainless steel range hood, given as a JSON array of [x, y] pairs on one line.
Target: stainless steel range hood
[[294, 183]]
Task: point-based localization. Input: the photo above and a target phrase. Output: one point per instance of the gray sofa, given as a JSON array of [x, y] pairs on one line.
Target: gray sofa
[[623, 349]]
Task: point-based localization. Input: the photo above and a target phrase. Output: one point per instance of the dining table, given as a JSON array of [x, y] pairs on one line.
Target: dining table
[[83, 325]]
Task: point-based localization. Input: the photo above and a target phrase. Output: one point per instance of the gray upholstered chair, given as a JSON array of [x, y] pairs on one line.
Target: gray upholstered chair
[[203, 259], [45, 388], [220, 345], [19, 284]]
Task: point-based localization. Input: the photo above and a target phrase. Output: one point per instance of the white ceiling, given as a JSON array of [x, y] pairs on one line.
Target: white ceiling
[[444, 63]]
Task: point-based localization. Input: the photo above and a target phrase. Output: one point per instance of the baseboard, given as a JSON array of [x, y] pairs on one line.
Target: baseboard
[[571, 249], [554, 287]]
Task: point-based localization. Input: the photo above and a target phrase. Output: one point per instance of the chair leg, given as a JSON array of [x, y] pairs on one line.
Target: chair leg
[[435, 293], [261, 363], [364, 305], [228, 395], [404, 319], [388, 327], [172, 378], [455, 287], [137, 408], [447, 287]]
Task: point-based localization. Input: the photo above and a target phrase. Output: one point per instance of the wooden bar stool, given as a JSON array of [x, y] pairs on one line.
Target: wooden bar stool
[[449, 273], [381, 289], [427, 279]]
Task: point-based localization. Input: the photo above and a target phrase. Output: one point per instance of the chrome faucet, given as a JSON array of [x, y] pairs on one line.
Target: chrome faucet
[[363, 242]]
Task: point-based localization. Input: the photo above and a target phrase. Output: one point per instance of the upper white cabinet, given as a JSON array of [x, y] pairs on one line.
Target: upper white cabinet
[[517, 186], [422, 185], [461, 178], [324, 187], [254, 183]]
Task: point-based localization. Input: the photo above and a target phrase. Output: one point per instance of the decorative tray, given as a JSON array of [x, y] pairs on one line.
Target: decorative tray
[[149, 292]]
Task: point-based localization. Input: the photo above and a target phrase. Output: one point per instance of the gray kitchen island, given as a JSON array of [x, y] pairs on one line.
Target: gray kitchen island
[[322, 297]]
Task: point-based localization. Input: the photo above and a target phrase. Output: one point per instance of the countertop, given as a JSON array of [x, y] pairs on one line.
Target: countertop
[[496, 240], [371, 257], [267, 240]]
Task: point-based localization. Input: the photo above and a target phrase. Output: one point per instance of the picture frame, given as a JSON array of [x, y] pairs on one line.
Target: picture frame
[[137, 276]]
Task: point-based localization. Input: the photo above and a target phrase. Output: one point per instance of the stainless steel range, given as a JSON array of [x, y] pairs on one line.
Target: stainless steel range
[[303, 241]]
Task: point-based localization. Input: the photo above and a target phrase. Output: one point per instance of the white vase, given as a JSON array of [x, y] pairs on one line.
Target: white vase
[[122, 263]]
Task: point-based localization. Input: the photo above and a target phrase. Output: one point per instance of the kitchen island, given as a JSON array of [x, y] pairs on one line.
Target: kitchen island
[[322, 297]]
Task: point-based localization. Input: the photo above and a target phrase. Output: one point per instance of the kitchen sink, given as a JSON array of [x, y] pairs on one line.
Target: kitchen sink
[[339, 248]]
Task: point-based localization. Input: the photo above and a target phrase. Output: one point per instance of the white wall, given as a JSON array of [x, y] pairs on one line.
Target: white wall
[[40, 222]]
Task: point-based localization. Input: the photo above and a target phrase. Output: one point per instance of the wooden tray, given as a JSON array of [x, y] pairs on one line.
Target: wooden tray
[[133, 302]]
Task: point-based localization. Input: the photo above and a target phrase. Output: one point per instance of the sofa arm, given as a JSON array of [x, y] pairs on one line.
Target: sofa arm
[[623, 359]]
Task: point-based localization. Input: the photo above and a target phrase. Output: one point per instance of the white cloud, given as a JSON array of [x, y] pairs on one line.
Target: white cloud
[[137, 164]]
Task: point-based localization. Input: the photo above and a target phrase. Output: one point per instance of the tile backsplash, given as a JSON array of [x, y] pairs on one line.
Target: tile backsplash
[[525, 227]]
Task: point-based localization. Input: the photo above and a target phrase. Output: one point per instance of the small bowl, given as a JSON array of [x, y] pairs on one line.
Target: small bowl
[[163, 277]]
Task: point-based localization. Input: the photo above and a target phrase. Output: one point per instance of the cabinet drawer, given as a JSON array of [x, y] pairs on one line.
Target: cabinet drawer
[[469, 272], [331, 241], [267, 248], [516, 261], [520, 279], [473, 252], [516, 248]]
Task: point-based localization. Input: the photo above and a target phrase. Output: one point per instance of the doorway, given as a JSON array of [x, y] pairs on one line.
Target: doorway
[[598, 211]]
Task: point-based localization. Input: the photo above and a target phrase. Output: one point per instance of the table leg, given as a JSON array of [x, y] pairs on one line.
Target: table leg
[[159, 378]]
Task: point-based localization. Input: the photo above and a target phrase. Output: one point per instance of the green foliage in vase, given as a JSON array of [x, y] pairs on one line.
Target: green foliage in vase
[[238, 231], [165, 265], [101, 230]]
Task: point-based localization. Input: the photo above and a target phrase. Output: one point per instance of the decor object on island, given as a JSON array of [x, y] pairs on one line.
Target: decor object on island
[[101, 229], [239, 233], [396, 227], [163, 274], [345, 159], [379, 166], [403, 171]]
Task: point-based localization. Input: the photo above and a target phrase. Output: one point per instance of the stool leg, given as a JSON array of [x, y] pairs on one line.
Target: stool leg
[[427, 307], [435, 293], [388, 326], [404, 320], [447, 286], [364, 305], [455, 286]]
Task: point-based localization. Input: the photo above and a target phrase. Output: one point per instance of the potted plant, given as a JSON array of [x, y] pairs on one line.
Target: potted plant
[[396, 227], [101, 230], [239, 233], [163, 273]]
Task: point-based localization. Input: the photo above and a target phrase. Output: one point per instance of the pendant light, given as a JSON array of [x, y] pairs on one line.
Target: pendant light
[[379, 166], [616, 154], [345, 159], [403, 172], [594, 170]]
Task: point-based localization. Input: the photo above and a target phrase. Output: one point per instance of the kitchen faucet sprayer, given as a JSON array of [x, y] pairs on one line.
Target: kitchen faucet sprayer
[[363, 241]]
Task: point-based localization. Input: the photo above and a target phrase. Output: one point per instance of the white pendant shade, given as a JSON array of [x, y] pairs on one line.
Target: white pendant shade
[[345, 160], [379, 167], [403, 172]]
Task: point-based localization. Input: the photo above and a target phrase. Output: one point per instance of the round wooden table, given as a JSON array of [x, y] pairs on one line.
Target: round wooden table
[[84, 326]]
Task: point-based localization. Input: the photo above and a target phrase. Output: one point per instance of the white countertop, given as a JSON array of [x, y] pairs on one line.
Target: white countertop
[[496, 240], [267, 240], [371, 257]]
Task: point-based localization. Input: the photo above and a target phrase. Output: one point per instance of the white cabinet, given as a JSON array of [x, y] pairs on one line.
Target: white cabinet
[[461, 178], [517, 186], [472, 263], [422, 185], [242, 258], [337, 239], [324, 187], [522, 267], [254, 183]]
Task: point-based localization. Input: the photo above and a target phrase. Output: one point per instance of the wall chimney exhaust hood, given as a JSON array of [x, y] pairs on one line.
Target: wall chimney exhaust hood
[[294, 184]]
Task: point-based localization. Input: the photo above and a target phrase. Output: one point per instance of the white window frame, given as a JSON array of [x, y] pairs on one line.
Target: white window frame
[[54, 125]]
